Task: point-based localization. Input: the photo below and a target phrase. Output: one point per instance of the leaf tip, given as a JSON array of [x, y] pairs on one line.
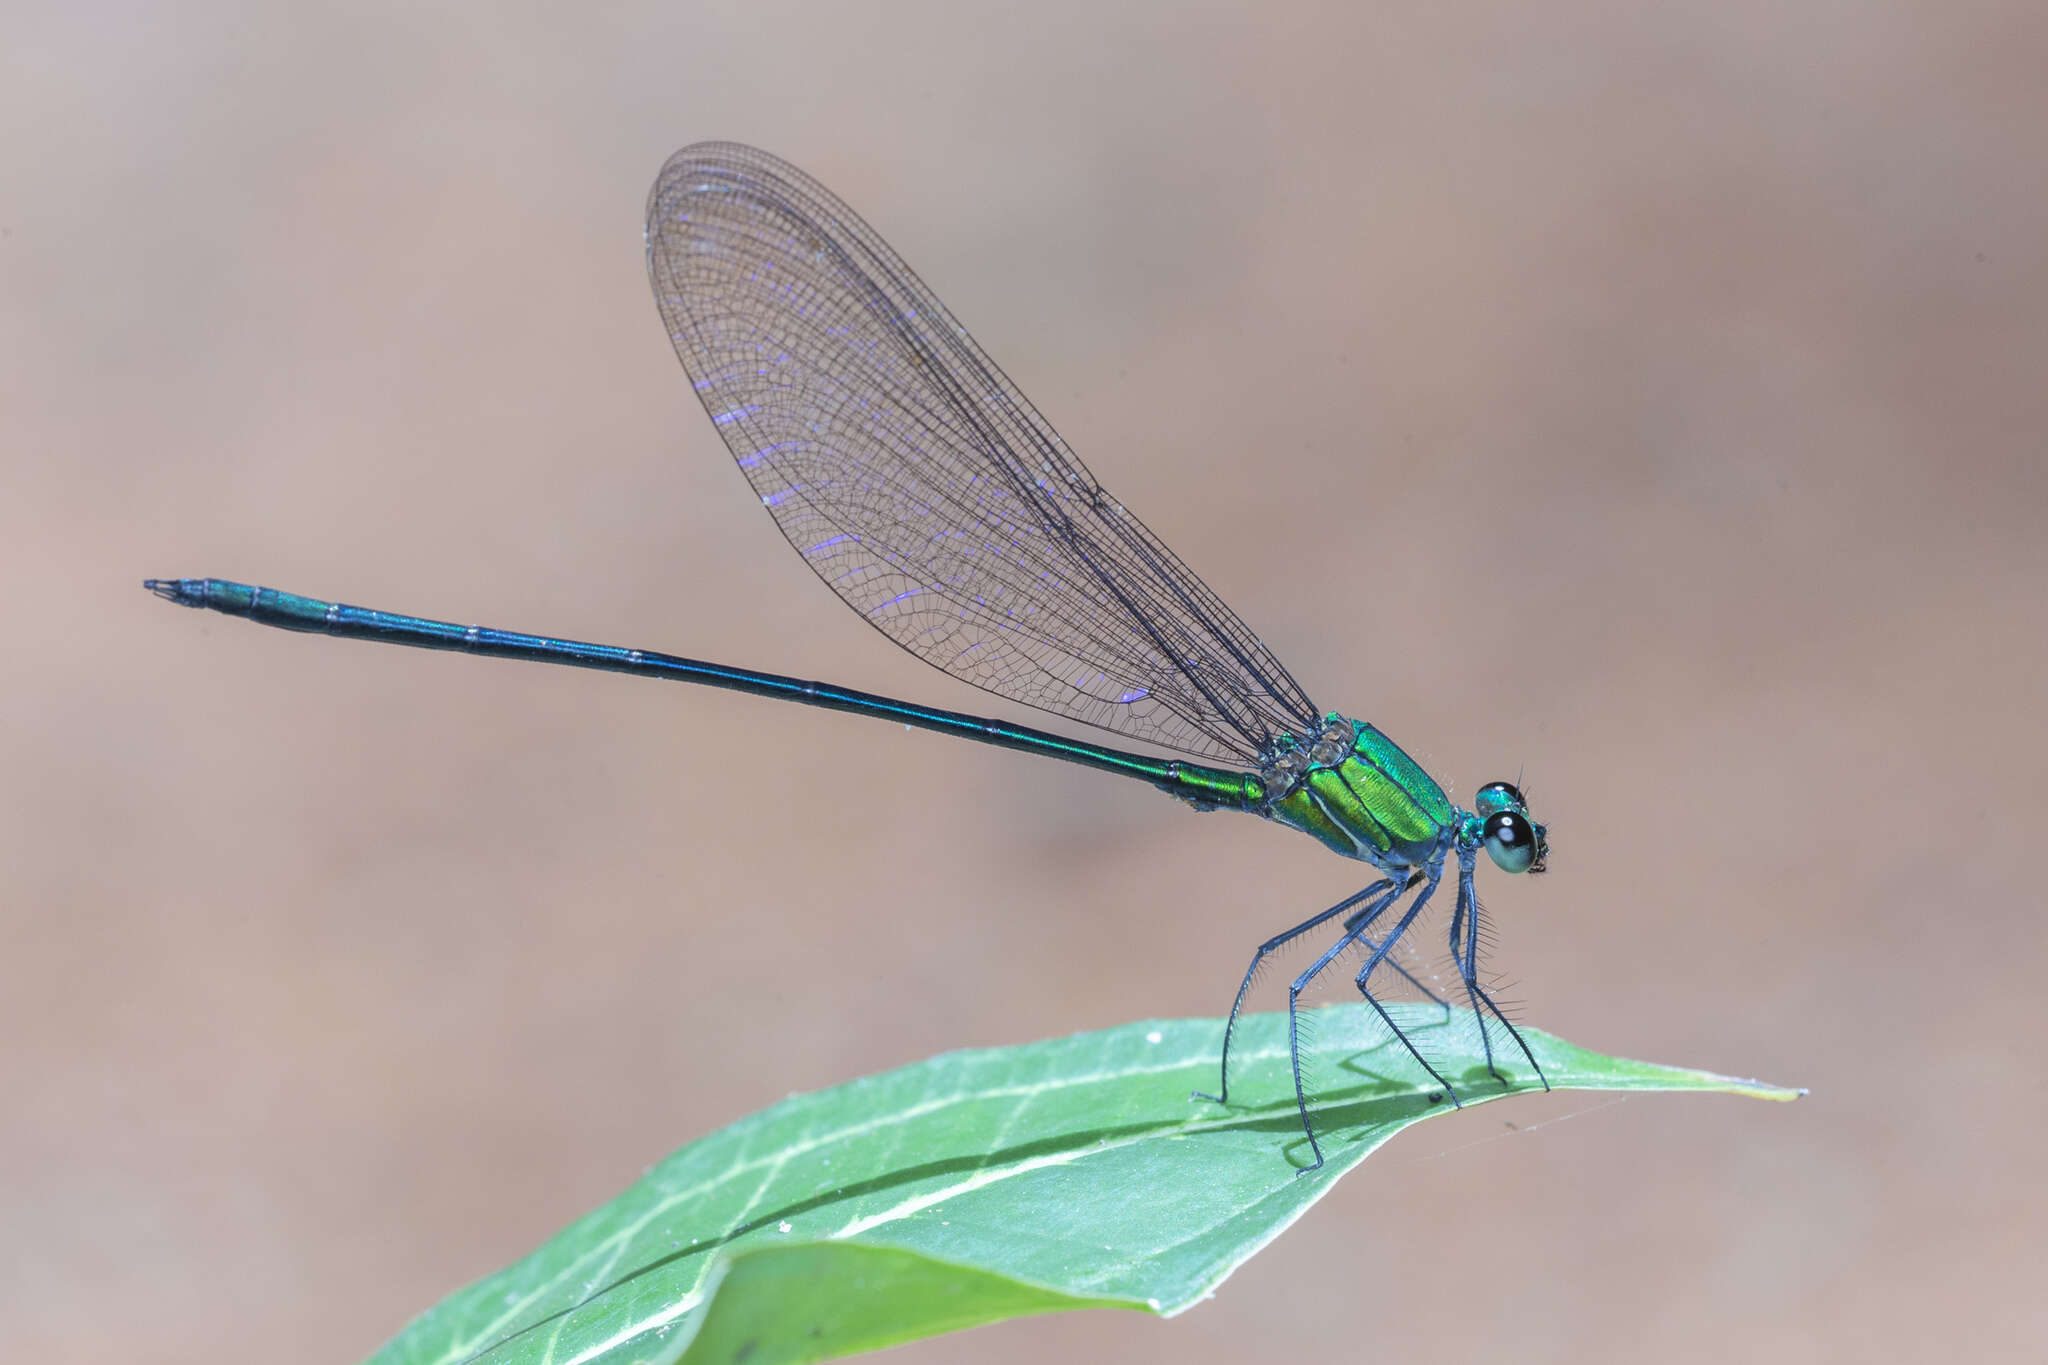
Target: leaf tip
[[1762, 1090]]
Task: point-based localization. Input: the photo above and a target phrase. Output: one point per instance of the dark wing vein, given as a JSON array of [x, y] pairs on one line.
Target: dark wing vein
[[916, 480]]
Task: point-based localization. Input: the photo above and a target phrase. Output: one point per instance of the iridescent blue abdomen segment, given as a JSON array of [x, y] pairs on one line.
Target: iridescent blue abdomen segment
[[1198, 784]]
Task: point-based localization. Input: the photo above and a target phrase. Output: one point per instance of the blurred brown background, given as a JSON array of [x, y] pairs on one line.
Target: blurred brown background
[[1684, 369]]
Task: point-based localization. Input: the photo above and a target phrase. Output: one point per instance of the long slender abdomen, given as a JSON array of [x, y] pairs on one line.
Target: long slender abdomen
[[1203, 786]]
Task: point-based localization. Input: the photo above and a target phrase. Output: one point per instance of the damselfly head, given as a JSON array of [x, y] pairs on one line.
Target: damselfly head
[[1514, 841]]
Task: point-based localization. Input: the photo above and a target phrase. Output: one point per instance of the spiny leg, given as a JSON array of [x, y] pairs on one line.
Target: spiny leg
[[1463, 938], [1270, 945], [1355, 920], [1465, 950], [1362, 922], [1379, 954], [1294, 990]]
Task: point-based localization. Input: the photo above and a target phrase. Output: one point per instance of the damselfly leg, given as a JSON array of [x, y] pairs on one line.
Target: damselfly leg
[[1378, 955], [1277, 942], [1465, 951]]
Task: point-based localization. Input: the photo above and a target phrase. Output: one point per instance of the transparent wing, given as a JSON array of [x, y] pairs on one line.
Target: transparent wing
[[919, 483]]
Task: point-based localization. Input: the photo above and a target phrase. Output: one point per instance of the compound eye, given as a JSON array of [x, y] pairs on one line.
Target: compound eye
[[1498, 796], [1511, 841]]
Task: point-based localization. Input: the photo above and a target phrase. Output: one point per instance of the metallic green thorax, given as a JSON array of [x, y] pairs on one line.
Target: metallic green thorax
[[1355, 791]]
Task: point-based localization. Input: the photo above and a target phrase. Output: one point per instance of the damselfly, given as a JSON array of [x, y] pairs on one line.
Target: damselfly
[[926, 490]]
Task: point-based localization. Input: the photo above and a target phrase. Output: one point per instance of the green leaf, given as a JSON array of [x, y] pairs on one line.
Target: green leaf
[[972, 1187]]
